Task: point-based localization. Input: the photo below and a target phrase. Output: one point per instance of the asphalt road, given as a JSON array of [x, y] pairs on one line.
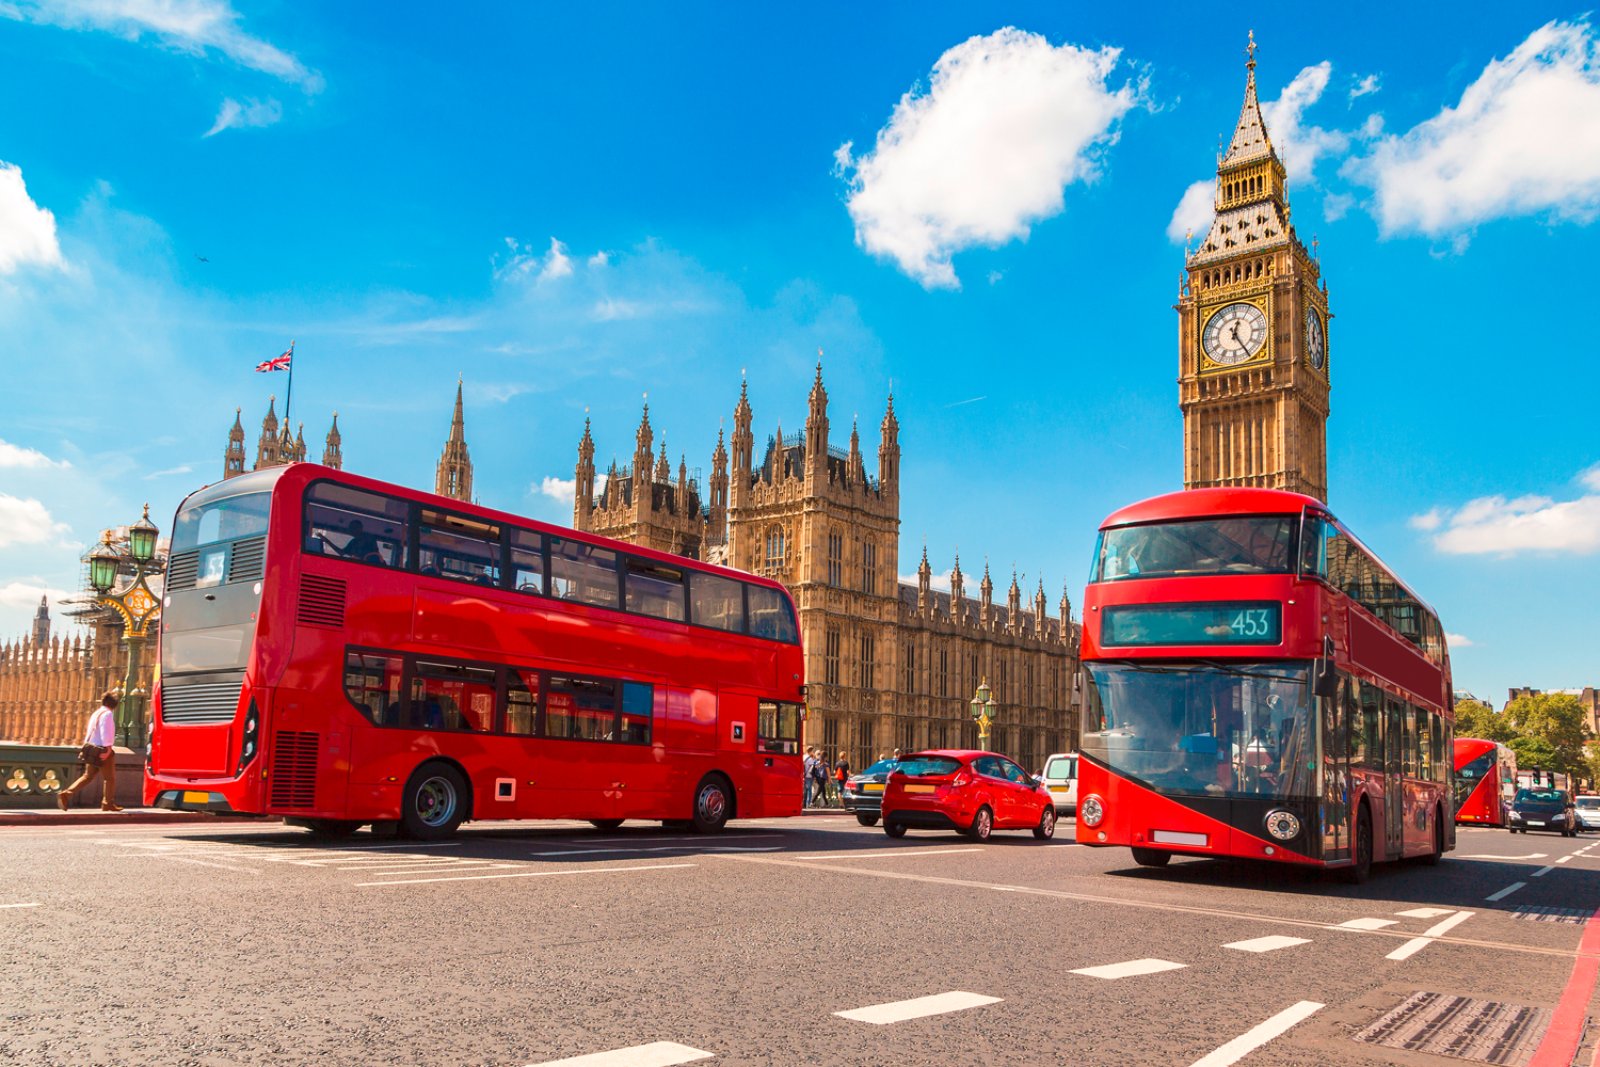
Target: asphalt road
[[778, 942]]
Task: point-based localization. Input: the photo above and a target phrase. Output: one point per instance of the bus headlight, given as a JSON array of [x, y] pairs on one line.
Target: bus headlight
[[1092, 810], [1283, 825]]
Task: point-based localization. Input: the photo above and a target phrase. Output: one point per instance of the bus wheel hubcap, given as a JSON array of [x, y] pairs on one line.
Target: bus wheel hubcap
[[436, 801], [712, 804]]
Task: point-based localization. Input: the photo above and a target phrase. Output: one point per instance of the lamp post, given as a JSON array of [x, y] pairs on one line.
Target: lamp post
[[138, 606], [983, 708]]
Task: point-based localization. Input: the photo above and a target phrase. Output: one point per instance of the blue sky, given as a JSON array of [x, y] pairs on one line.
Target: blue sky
[[985, 206]]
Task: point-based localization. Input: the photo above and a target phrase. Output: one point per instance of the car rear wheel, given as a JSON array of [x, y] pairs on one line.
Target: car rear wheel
[[982, 824], [866, 818], [1151, 857], [894, 829], [1047, 824]]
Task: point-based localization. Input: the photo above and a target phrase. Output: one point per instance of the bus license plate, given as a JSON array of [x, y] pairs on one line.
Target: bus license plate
[[920, 788], [872, 787], [191, 797]]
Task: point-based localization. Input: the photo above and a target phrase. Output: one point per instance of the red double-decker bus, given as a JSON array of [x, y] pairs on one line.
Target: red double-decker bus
[[1485, 781], [338, 651], [1258, 684]]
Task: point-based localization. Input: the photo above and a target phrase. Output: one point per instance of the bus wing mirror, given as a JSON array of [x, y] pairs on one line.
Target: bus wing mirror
[[1325, 681]]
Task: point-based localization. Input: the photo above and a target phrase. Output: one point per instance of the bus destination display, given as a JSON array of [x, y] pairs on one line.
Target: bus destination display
[[1193, 624]]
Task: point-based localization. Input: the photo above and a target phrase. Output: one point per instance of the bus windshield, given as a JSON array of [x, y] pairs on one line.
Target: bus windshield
[[1213, 729], [1249, 544], [227, 519], [1470, 774]]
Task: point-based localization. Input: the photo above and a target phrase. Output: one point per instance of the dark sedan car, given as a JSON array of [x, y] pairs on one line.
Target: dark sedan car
[[863, 793], [1542, 809]]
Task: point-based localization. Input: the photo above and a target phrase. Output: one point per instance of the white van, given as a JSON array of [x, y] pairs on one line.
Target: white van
[[1061, 778]]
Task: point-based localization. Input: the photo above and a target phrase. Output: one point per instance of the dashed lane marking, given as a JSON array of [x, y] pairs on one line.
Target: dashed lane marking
[[530, 874], [1506, 892], [1256, 1036], [663, 848], [655, 1054], [1364, 924], [1426, 913], [1268, 944], [206, 863], [34, 905], [1565, 859], [886, 853], [1429, 936], [1542, 871], [1131, 969], [1529, 856], [917, 1008]]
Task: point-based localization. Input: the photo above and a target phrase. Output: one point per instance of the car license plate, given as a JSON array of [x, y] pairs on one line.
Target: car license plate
[[872, 787], [920, 788], [1058, 789], [1535, 822], [192, 797]]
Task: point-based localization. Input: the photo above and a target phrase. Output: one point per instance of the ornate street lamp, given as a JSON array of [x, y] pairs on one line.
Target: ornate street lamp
[[138, 606], [983, 708]]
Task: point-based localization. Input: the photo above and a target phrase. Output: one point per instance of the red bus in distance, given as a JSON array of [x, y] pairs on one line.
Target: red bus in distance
[[1486, 780], [1258, 684], [337, 651]]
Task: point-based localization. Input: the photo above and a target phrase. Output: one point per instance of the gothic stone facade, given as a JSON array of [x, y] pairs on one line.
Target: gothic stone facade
[[887, 664], [1253, 331]]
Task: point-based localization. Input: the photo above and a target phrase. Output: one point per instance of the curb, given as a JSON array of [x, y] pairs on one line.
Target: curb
[[129, 817]]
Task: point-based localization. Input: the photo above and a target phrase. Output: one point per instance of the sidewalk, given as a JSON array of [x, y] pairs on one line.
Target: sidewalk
[[87, 816]]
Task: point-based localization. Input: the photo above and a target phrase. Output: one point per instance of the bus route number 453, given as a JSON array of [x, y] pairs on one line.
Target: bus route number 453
[[1252, 622]]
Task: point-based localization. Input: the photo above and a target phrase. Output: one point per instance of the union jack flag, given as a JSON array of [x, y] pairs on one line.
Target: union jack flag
[[277, 362]]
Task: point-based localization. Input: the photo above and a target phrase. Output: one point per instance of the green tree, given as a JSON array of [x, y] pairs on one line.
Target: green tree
[[1559, 723], [1476, 719], [1534, 754]]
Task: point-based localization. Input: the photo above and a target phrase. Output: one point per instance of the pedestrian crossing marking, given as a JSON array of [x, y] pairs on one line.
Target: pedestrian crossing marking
[[1131, 969], [1268, 944], [655, 1054], [917, 1008]]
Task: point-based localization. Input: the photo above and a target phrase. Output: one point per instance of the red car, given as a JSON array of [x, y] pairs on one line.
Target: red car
[[971, 792]]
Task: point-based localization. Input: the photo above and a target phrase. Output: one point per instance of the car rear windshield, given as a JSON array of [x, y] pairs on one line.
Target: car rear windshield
[[883, 766], [929, 766], [1588, 802], [1062, 769], [1540, 796]]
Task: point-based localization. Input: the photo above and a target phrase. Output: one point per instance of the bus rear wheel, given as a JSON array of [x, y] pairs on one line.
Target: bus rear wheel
[[605, 824], [434, 802], [1433, 858], [1359, 871], [713, 804], [1151, 857], [331, 829]]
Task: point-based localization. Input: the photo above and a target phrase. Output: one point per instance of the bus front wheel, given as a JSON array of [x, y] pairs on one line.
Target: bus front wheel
[[1151, 857], [1359, 871], [713, 805], [1432, 858], [434, 802]]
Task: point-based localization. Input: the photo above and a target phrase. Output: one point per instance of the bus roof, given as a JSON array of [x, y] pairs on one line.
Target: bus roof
[[1197, 503], [264, 480]]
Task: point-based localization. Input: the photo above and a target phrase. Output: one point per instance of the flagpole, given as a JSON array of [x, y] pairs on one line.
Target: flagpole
[[288, 396]]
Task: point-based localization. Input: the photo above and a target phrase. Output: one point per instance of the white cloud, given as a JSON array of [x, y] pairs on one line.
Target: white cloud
[[524, 262], [182, 468], [193, 27], [26, 522], [1364, 87], [599, 259], [1524, 139], [1006, 123], [27, 231], [1458, 641], [235, 115], [25, 594], [1494, 524], [938, 582], [561, 490], [1194, 212], [15, 456]]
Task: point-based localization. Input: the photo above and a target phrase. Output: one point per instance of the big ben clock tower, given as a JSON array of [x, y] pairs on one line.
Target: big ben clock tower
[[1253, 331]]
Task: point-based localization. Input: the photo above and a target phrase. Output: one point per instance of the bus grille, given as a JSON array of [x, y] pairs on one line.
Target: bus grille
[[182, 570], [194, 704], [247, 560], [294, 769], [321, 601]]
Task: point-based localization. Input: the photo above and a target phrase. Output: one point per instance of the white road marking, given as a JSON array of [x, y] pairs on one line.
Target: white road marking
[[1113, 971], [1365, 924], [1506, 892], [1426, 913], [206, 863], [636, 838], [1268, 944], [1542, 871], [1564, 859], [34, 905], [1529, 856], [901, 1010], [412, 869], [663, 848], [1254, 1038], [1417, 944], [655, 1054], [887, 852], [533, 874]]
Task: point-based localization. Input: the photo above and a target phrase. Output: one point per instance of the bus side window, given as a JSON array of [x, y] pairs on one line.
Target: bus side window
[[372, 682], [522, 702], [638, 700], [353, 524], [1372, 757], [778, 727], [582, 572], [770, 614], [654, 590], [1314, 547], [465, 550], [716, 601], [527, 561], [583, 709]]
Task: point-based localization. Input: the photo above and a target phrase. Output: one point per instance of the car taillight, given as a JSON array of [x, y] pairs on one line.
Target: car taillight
[[959, 780]]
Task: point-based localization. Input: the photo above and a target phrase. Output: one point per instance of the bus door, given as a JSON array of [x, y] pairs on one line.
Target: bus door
[[1394, 801]]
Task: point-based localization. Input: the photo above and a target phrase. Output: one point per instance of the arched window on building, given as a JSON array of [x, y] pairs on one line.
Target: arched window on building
[[775, 548]]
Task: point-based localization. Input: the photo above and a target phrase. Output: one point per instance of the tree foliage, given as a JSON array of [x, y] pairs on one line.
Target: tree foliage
[[1476, 719], [1560, 725]]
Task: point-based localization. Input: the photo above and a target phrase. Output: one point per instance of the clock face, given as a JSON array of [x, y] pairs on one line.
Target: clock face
[[1234, 334], [1316, 350]]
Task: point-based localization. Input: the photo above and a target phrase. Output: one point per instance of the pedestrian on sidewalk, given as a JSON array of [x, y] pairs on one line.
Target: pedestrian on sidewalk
[[98, 757], [807, 776]]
